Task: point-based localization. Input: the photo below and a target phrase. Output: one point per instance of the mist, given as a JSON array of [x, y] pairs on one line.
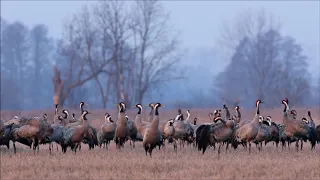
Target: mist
[[183, 54]]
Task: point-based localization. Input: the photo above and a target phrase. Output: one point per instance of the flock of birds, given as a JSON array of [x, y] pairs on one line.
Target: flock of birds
[[223, 129]]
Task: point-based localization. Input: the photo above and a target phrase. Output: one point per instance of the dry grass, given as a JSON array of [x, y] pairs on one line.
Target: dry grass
[[188, 163]]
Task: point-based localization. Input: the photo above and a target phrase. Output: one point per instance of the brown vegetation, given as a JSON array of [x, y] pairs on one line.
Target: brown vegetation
[[188, 163]]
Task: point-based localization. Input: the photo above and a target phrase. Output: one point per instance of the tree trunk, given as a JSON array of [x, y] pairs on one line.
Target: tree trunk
[[58, 87]]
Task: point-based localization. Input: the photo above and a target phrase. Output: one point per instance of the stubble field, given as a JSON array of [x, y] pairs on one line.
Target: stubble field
[[188, 163]]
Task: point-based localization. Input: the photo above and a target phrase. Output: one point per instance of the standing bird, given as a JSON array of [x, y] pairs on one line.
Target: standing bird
[[91, 138], [73, 136], [189, 128], [35, 129], [263, 133], [152, 136], [295, 128], [107, 130], [194, 127], [274, 131], [3, 140], [208, 134], [248, 132], [132, 132], [57, 135], [141, 127], [53, 126], [9, 135], [168, 131], [121, 126], [182, 128]]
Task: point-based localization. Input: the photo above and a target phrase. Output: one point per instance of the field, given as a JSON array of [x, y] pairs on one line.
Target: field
[[188, 163]]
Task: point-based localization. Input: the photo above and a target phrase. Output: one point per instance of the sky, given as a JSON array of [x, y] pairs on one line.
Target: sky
[[199, 22]]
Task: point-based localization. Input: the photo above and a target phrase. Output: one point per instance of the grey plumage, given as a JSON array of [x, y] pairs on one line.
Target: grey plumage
[[107, 131], [9, 136], [274, 132], [208, 134], [56, 135], [73, 136], [132, 132], [91, 138], [3, 141], [33, 128], [121, 126], [295, 128], [263, 133], [248, 132]]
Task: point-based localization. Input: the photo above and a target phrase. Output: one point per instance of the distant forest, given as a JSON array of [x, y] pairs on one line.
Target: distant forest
[[119, 51]]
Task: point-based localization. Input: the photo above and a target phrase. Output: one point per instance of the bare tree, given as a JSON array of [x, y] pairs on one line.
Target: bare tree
[[156, 50], [264, 64], [76, 50], [127, 50], [96, 47], [111, 17]]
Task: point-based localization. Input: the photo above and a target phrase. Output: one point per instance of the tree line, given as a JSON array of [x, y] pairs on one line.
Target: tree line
[[127, 51]]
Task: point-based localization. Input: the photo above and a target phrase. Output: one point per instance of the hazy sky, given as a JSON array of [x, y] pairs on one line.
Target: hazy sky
[[199, 21]]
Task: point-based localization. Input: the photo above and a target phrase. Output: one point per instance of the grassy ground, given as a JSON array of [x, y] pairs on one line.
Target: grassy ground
[[188, 163]]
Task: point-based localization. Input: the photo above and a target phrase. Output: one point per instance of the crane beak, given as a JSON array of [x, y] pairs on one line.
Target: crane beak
[[133, 106], [163, 106]]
